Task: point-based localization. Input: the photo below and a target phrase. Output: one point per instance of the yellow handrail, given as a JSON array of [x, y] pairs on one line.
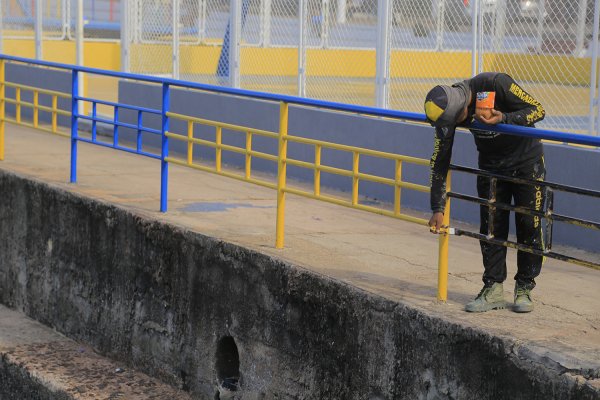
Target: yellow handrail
[[35, 106]]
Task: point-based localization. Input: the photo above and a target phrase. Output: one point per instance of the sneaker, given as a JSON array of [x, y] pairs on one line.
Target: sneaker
[[490, 298], [523, 302]]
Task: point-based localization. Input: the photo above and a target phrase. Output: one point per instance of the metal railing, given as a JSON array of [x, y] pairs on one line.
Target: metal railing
[[547, 213], [283, 139]]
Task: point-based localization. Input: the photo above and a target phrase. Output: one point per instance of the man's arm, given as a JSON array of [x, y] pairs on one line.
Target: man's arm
[[440, 163], [520, 107]]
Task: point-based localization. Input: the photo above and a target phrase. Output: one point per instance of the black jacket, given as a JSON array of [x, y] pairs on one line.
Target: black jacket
[[497, 152]]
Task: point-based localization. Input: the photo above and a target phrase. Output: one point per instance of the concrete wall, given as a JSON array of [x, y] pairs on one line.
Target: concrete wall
[[167, 301]]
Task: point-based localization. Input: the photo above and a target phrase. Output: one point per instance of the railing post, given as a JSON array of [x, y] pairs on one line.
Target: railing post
[[444, 240], [164, 165], [2, 108], [397, 188], [355, 180], [18, 105], [317, 179], [190, 144], [74, 122], [281, 174], [36, 97], [218, 149], [54, 113]]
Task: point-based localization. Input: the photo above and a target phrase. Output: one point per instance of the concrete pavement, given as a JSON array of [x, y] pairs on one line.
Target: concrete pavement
[[386, 257]]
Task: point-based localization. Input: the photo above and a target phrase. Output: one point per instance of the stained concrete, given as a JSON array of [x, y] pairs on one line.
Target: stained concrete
[[346, 311]]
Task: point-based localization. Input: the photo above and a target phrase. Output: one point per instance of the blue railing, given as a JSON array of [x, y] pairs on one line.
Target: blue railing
[[167, 84]]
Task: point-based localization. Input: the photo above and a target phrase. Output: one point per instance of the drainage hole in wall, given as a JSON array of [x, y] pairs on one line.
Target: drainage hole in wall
[[228, 369]]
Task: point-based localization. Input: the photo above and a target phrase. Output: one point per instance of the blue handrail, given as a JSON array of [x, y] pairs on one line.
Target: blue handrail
[[350, 108], [167, 83]]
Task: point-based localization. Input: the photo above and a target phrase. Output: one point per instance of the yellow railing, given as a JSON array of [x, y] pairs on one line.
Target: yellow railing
[[249, 153], [35, 106], [317, 166]]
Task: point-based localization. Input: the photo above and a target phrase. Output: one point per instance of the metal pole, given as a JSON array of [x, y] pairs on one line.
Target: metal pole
[[234, 43], [594, 69], [325, 23], [125, 36], [1, 29], [74, 123], [382, 53], [164, 165], [474, 55], [540, 25], [202, 19], [79, 52], [500, 26], [302, 48], [443, 245], [175, 13], [38, 29], [342, 6], [281, 174], [266, 28], [580, 28]]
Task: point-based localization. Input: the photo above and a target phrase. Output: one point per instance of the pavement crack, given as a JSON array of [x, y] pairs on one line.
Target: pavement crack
[[414, 264]]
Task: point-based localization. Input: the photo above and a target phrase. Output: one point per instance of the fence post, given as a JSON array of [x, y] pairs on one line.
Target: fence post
[[593, 81], [235, 28], [1, 29], [125, 35], [175, 32], [2, 107], [164, 165], [79, 50], [281, 174], [38, 28], [266, 14], [474, 23], [382, 67], [74, 122], [444, 239], [302, 12]]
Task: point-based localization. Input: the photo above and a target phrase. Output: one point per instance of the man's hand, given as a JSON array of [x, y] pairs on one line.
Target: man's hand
[[493, 119], [436, 222]]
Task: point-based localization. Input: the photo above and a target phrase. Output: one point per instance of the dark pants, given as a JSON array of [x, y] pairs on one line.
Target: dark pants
[[529, 228]]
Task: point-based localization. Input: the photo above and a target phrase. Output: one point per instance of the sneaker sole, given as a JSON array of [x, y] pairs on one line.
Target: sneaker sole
[[522, 309], [490, 307]]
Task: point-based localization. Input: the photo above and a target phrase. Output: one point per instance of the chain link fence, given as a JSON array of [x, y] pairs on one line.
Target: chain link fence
[[385, 53]]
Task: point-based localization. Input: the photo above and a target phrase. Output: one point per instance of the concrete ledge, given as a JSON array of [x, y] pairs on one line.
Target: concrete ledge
[[38, 363], [192, 310]]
